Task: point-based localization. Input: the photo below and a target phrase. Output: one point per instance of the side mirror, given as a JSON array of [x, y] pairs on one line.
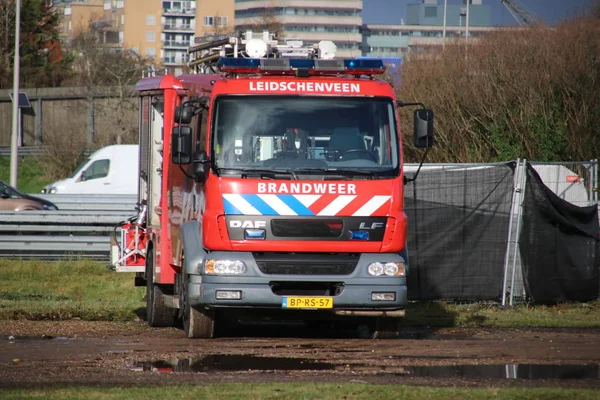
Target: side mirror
[[4, 195], [184, 114], [423, 128], [200, 166], [182, 145], [83, 176]]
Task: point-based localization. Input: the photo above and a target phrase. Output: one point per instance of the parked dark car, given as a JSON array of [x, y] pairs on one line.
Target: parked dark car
[[12, 199]]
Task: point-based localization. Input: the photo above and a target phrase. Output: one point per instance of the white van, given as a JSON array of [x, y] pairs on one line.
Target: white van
[[109, 170]]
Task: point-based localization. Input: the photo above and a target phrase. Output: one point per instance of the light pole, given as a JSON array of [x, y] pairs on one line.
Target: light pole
[[444, 29], [467, 18], [14, 157]]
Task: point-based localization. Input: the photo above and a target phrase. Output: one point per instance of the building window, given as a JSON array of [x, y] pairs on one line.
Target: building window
[[70, 25], [221, 21], [68, 10], [431, 12], [121, 37], [150, 37], [123, 19], [150, 52], [150, 20], [209, 21], [107, 5], [120, 4]]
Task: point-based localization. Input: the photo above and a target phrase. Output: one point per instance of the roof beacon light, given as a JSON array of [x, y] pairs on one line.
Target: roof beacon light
[[327, 49], [288, 66], [256, 48]]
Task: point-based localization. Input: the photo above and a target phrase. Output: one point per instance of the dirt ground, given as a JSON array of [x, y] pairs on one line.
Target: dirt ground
[[99, 353]]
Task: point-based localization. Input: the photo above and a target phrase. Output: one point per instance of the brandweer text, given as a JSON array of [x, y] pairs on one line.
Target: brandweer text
[[307, 188]]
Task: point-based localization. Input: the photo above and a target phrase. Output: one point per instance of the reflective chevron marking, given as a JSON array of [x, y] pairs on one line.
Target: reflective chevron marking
[[301, 204]]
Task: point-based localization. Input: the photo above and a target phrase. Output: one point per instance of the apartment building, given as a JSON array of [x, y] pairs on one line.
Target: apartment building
[[308, 20], [158, 29], [424, 28], [398, 40], [76, 16]]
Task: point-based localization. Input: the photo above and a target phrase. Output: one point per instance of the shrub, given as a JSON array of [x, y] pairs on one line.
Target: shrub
[[529, 93]]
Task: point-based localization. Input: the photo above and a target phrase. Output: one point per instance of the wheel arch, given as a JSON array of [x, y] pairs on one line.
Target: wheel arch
[[191, 237]]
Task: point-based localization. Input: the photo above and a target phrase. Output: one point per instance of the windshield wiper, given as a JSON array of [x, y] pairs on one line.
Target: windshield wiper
[[343, 172], [262, 173]]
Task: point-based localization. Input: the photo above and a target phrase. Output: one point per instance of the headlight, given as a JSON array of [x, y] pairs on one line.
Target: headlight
[[225, 267], [387, 269], [49, 207]]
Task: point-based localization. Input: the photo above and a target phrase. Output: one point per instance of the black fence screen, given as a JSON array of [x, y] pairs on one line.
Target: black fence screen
[[458, 221], [559, 245]]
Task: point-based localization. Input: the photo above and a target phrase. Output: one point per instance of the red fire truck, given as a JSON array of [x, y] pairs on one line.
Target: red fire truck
[[271, 182]]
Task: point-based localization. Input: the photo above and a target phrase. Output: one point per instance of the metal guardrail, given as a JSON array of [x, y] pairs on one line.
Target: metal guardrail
[[87, 203], [81, 228], [23, 151]]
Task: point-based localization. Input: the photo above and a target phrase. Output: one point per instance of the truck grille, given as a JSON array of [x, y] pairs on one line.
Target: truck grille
[[307, 228], [306, 263]]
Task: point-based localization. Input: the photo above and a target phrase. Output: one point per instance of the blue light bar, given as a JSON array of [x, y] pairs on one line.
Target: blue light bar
[[248, 64], [290, 66]]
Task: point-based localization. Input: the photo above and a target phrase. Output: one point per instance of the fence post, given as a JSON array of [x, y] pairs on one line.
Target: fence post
[[516, 178], [516, 252], [595, 195], [90, 120], [38, 122]]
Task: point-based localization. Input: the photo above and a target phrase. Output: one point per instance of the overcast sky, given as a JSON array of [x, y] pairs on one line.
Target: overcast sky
[[550, 11]]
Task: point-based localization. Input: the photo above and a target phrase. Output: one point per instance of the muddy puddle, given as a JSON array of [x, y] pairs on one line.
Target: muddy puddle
[[250, 363], [31, 339]]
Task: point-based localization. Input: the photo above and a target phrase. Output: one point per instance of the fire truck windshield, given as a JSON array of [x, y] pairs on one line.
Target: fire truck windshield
[[323, 134]]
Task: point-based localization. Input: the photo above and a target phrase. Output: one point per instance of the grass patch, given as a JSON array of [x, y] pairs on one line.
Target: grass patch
[[34, 289], [66, 290], [30, 177], [301, 391], [441, 314]]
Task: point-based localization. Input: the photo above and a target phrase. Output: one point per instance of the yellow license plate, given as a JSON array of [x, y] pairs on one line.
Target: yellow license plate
[[307, 302]]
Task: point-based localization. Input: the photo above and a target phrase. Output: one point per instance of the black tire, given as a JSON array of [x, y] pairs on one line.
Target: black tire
[[197, 324], [386, 328], [157, 313]]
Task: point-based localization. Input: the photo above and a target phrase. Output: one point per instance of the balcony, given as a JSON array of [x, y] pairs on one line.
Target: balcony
[[306, 20], [173, 61], [180, 12], [339, 4], [175, 44], [177, 28], [307, 36]]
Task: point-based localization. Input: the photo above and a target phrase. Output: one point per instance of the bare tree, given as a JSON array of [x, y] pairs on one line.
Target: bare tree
[[530, 93], [268, 21], [109, 72]]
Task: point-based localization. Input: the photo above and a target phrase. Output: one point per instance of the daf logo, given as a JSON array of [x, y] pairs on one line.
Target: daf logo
[[374, 225], [247, 224]]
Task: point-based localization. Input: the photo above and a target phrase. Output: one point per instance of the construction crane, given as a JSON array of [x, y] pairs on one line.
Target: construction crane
[[520, 14]]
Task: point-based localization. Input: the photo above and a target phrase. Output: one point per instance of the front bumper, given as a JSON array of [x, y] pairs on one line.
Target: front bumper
[[354, 297]]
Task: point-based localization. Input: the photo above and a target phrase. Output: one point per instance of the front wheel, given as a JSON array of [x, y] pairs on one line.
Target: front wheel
[[197, 324], [157, 313]]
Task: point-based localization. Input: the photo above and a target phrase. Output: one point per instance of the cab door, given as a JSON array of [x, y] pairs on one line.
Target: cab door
[[96, 178]]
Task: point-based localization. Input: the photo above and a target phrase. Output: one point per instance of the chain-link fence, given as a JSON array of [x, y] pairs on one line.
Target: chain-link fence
[[466, 222], [458, 219], [552, 250]]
